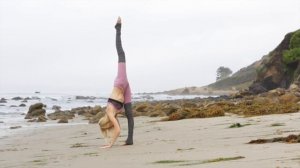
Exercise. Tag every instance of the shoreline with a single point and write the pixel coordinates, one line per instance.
(193, 141)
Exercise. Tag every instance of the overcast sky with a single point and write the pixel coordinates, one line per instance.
(68, 46)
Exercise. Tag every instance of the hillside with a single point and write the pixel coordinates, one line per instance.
(279, 68)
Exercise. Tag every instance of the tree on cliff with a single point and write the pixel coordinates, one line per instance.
(223, 72)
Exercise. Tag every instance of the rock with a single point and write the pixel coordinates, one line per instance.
(142, 107)
(294, 87)
(35, 110)
(15, 127)
(24, 101)
(17, 98)
(36, 106)
(41, 119)
(3, 100)
(1, 122)
(56, 108)
(27, 98)
(279, 68)
(261, 100)
(32, 120)
(277, 92)
(63, 120)
(96, 118)
(35, 98)
(13, 106)
(297, 94)
(288, 98)
(61, 114)
(22, 105)
(85, 97)
(87, 111)
(256, 88)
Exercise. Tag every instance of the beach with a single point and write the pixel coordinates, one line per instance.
(207, 142)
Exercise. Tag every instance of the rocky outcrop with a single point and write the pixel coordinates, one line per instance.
(281, 67)
(35, 111)
(87, 111)
(61, 114)
(96, 118)
(63, 120)
(275, 101)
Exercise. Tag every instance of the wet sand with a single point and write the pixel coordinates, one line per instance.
(207, 142)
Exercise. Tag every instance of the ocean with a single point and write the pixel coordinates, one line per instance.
(14, 108)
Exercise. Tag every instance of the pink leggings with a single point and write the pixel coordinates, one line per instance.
(121, 81)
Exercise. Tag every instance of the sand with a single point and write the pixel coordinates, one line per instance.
(194, 141)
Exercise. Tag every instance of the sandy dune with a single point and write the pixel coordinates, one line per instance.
(195, 142)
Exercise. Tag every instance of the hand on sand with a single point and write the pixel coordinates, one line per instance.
(106, 146)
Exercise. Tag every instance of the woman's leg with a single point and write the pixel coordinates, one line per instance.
(122, 81)
(129, 116)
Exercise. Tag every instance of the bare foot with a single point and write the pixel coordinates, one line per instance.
(119, 20)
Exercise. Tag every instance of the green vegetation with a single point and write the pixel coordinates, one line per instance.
(196, 162)
(223, 159)
(39, 162)
(223, 72)
(179, 149)
(78, 145)
(295, 40)
(91, 154)
(293, 54)
(242, 79)
(237, 125)
(277, 124)
(169, 161)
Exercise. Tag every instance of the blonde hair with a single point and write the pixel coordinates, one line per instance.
(107, 127)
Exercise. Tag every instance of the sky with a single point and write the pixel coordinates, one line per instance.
(67, 46)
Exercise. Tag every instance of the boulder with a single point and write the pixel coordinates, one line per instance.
(294, 87)
(56, 108)
(63, 120)
(32, 120)
(3, 100)
(61, 114)
(41, 119)
(87, 111)
(96, 118)
(277, 92)
(22, 105)
(17, 98)
(288, 98)
(15, 127)
(35, 111)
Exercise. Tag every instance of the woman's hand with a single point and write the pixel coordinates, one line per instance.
(106, 146)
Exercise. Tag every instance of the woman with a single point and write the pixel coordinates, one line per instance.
(119, 98)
